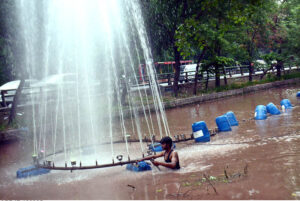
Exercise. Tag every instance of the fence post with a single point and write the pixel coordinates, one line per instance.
(3, 98)
(169, 79)
(241, 70)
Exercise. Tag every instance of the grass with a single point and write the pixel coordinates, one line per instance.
(14, 125)
(269, 79)
(238, 85)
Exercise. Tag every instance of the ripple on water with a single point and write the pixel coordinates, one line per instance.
(204, 151)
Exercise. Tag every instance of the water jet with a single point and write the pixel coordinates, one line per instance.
(85, 99)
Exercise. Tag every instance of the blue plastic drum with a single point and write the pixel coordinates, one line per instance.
(286, 104)
(272, 109)
(140, 167)
(260, 112)
(200, 132)
(298, 94)
(223, 123)
(156, 147)
(231, 118)
(31, 171)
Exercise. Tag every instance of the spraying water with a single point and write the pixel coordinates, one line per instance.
(86, 55)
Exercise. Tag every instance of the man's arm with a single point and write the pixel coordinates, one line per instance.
(171, 165)
(152, 157)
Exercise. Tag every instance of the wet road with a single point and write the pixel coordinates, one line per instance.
(260, 158)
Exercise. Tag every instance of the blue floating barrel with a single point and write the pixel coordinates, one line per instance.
(231, 118)
(272, 109)
(223, 123)
(260, 112)
(139, 167)
(156, 147)
(200, 132)
(286, 104)
(31, 171)
(298, 94)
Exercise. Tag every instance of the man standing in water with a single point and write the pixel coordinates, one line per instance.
(170, 156)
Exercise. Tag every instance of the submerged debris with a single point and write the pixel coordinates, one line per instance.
(212, 181)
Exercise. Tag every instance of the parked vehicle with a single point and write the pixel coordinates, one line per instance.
(181, 74)
(68, 85)
(188, 72)
(9, 90)
(260, 64)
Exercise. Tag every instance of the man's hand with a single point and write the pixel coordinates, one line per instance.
(156, 163)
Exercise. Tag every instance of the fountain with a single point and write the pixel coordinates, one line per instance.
(88, 107)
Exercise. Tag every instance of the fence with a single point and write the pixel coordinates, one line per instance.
(189, 76)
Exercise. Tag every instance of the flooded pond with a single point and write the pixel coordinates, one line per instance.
(256, 160)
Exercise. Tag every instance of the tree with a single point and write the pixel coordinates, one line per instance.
(7, 41)
(292, 21)
(283, 44)
(163, 18)
(213, 27)
(253, 33)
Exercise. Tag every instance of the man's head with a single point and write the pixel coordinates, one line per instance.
(166, 142)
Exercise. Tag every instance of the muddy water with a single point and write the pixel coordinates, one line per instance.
(261, 160)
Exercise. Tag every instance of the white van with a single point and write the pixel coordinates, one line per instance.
(189, 71)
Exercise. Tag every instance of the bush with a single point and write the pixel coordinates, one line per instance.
(270, 78)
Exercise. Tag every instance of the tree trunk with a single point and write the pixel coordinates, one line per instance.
(279, 66)
(265, 72)
(177, 70)
(196, 79)
(197, 70)
(217, 76)
(225, 78)
(15, 102)
(250, 67)
(207, 80)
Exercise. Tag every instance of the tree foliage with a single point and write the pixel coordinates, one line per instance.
(216, 33)
(7, 40)
(163, 18)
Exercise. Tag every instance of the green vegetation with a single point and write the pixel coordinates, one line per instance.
(269, 79)
(215, 33)
(219, 33)
(17, 123)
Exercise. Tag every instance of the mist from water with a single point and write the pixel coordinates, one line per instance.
(85, 55)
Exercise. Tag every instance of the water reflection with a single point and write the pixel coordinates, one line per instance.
(271, 147)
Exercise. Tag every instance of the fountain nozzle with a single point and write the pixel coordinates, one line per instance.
(35, 159)
(149, 152)
(119, 157)
(48, 163)
(182, 136)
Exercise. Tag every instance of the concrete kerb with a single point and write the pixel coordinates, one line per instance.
(219, 95)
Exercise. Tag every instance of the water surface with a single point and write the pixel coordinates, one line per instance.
(269, 148)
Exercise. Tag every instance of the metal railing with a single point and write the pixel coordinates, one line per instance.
(189, 76)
